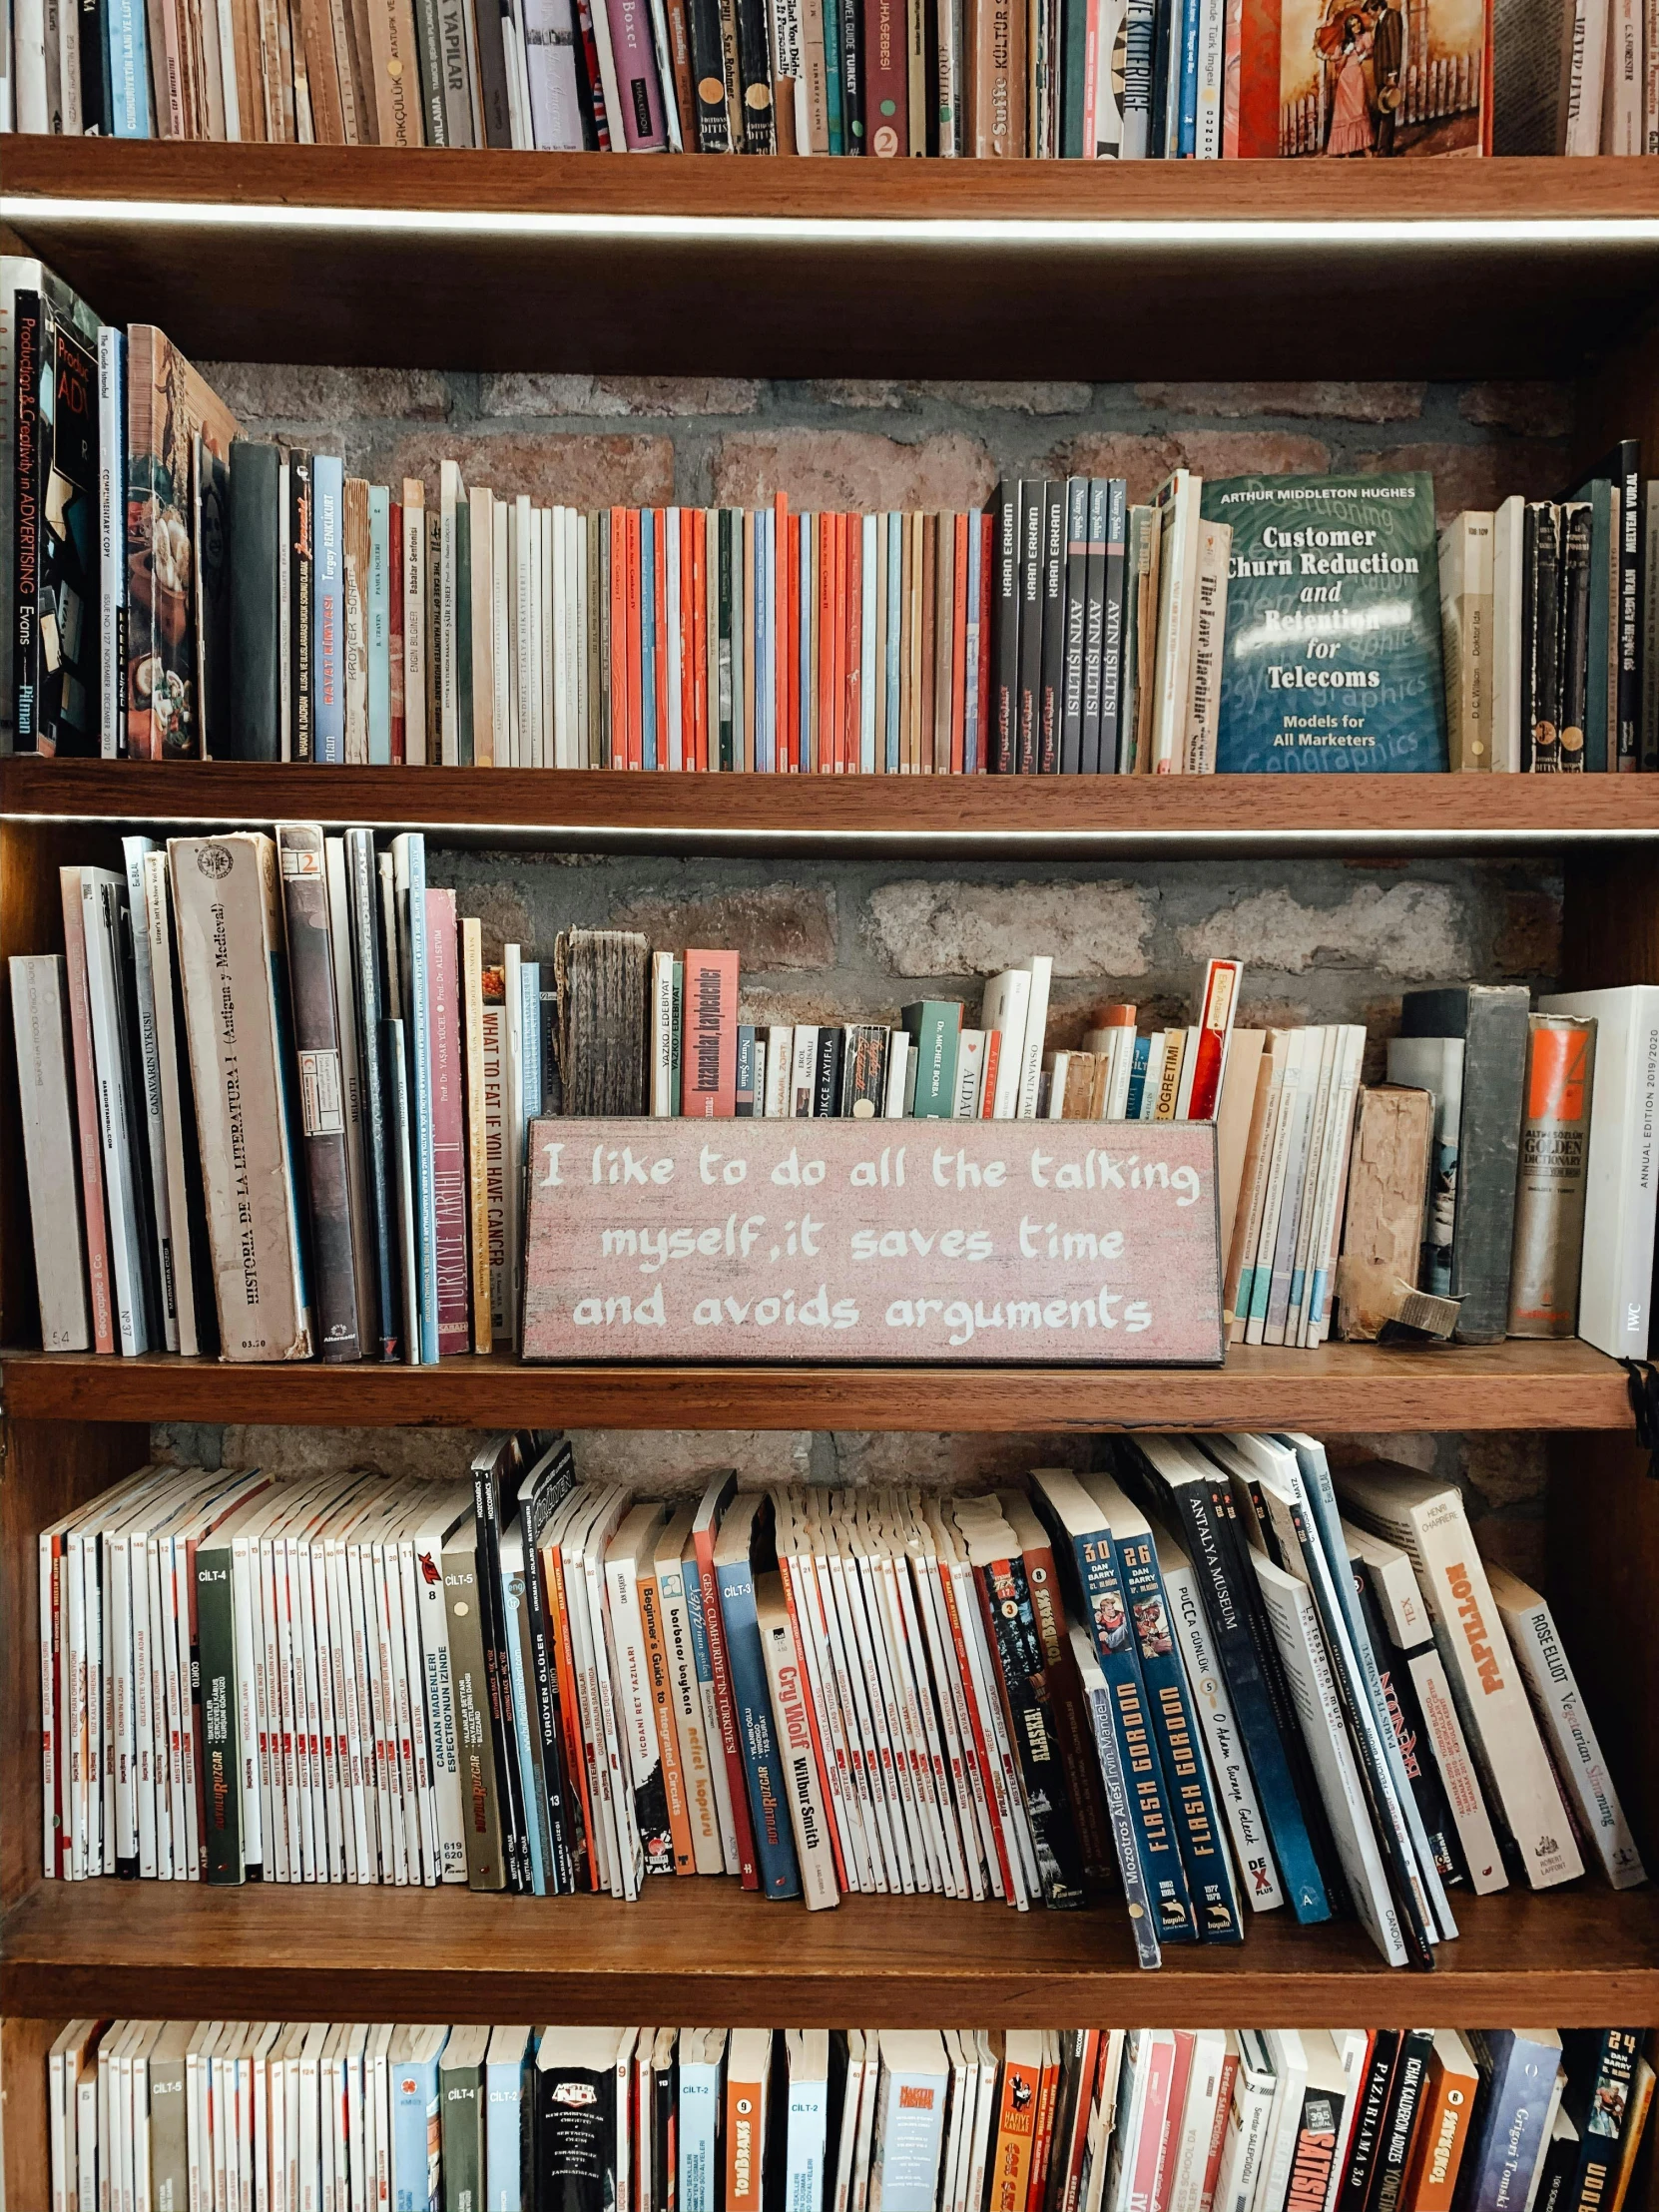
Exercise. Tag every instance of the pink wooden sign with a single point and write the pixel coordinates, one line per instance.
(1076, 1243)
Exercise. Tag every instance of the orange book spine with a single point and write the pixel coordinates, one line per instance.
(564, 1665)
(1439, 2139)
(1016, 2124)
(1044, 2141)
(743, 2145)
(619, 637)
(958, 646)
(668, 1738)
(659, 535)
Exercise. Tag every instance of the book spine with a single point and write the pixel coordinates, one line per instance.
(1005, 1607)
(221, 1750)
(39, 1019)
(714, 1637)
(301, 607)
(367, 961)
(321, 1087)
(780, 1873)
(1551, 1179)
(448, 1126)
(86, 1108)
(255, 550)
(329, 615)
(411, 895)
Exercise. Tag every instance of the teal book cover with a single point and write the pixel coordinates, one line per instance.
(1332, 653)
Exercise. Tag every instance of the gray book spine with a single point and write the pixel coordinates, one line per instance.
(256, 551)
(1493, 1022)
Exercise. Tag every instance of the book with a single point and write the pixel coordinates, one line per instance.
(1550, 1183)
(1374, 699)
(40, 1029)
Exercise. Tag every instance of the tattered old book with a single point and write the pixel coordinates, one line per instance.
(1332, 655)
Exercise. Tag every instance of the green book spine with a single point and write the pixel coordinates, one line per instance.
(933, 1026)
(463, 633)
(463, 2162)
(216, 1632)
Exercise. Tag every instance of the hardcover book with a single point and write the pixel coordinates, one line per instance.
(1333, 645)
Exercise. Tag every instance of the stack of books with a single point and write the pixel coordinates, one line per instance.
(1219, 1679)
(760, 2119)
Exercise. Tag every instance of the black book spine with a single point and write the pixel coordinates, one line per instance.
(1573, 648)
(1404, 2101)
(1005, 1602)
(1365, 2143)
(1072, 681)
(515, 1843)
(1113, 670)
(575, 2139)
(1031, 500)
(429, 59)
(119, 917)
(1094, 629)
(1004, 731)
(1051, 681)
(855, 138)
(827, 1090)
(256, 601)
(97, 93)
(665, 2100)
(1165, 42)
(26, 526)
(363, 883)
(708, 58)
(1627, 481)
(303, 744)
(321, 1087)
(760, 128)
(1600, 2063)
(1410, 1733)
(564, 1810)
(1540, 750)
(494, 29)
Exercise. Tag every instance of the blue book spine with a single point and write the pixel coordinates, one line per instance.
(529, 986)
(1175, 1732)
(379, 625)
(1155, 1838)
(1188, 143)
(648, 638)
(767, 1802)
(535, 1793)
(1142, 1920)
(832, 74)
(504, 2136)
(895, 595)
(1508, 2147)
(127, 61)
(1137, 1080)
(328, 608)
(415, 2182)
(1263, 1746)
(420, 1058)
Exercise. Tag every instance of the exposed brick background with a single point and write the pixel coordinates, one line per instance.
(1322, 940)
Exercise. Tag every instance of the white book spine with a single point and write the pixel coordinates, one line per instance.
(1007, 998)
(40, 1025)
(101, 922)
(779, 1061)
(1617, 1276)
(809, 1814)
(661, 1035)
(1569, 1734)
(1040, 968)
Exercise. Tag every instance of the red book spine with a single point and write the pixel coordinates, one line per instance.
(394, 626)
(855, 639)
(731, 1750)
(1258, 46)
(687, 638)
(450, 1157)
(987, 552)
(708, 1053)
(1215, 1027)
(780, 635)
(958, 643)
(85, 1111)
(822, 1758)
(619, 637)
(700, 631)
(632, 669)
(792, 616)
(659, 533)
(1182, 2068)
(987, 1079)
(886, 87)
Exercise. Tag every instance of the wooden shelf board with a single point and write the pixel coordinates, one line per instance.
(906, 268)
(1360, 1386)
(706, 1951)
(949, 814)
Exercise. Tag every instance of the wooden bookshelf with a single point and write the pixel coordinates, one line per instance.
(685, 267)
(1364, 1386)
(804, 268)
(943, 814)
(701, 1950)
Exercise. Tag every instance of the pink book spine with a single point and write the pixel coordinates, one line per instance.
(638, 89)
(449, 1192)
(86, 1113)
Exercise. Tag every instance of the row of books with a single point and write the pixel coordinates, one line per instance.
(757, 2119)
(256, 602)
(1550, 624)
(1498, 1183)
(1095, 79)
(1192, 1680)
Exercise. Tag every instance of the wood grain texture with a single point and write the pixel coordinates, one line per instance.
(25, 2146)
(703, 1950)
(572, 807)
(895, 302)
(1366, 1387)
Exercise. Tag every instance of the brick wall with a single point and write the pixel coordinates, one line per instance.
(1323, 940)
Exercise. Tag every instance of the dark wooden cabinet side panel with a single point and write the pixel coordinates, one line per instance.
(30, 921)
(25, 2173)
(1611, 930)
(47, 1469)
(1603, 1570)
